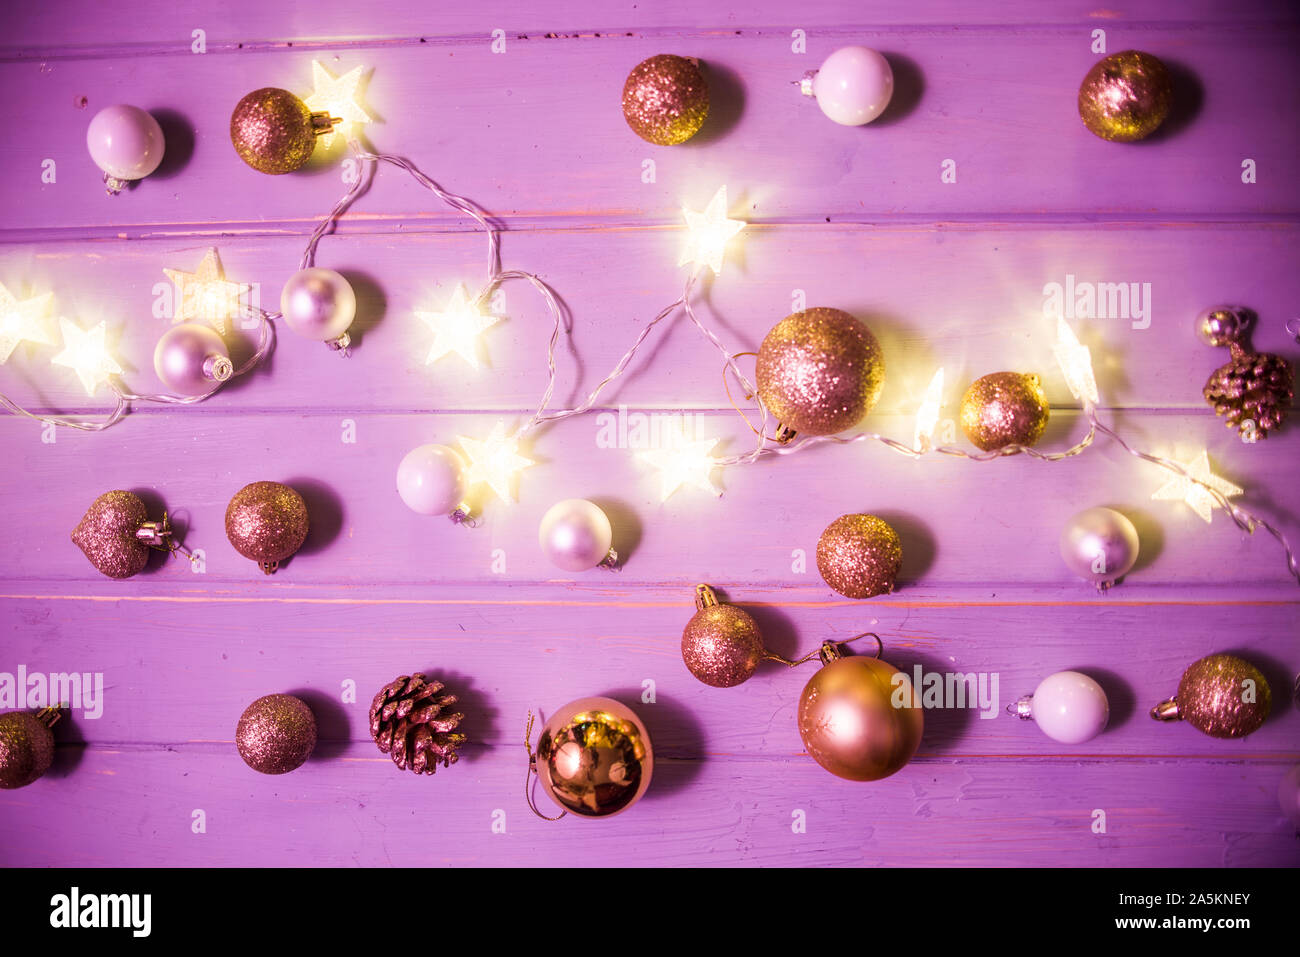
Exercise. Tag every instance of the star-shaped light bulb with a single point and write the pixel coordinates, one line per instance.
(23, 320)
(85, 353)
(683, 461)
(205, 295)
(708, 233)
(494, 461)
(1181, 488)
(457, 328)
(337, 96)
(1075, 360)
(927, 416)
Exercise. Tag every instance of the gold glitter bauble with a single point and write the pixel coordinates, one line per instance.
(722, 645)
(26, 747)
(594, 757)
(1221, 695)
(665, 99)
(849, 721)
(267, 522)
(273, 131)
(107, 534)
(1125, 96)
(820, 371)
(859, 556)
(276, 734)
(1004, 408)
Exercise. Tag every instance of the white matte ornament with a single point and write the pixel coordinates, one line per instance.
(576, 535)
(1099, 545)
(319, 304)
(430, 480)
(1068, 706)
(853, 85)
(125, 142)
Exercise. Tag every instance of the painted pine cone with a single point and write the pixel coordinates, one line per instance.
(1252, 391)
(407, 722)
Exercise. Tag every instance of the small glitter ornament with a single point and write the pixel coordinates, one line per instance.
(276, 734)
(408, 724)
(859, 556)
(819, 372)
(274, 132)
(1125, 96)
(116, 534)
(594, 758)
(267, 522)
(721, 644)
(1004, 408)
(26, 746)
(665, 99)
(1222, 695)
(860, 718)
(1253, 390)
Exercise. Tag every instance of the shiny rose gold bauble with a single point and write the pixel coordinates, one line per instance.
(859, 717)
(594, 757)
(665, 99)
(276, 734)
(267, 522)
(1222, 695)
(859, 556)
(721, 644)
(819, 371)
(26, 746)
(116, 534)
(1004, 408)
(1125, 96)
(274, 132)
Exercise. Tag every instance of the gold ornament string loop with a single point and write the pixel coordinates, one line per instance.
(726, 384)
(819, 653)
(532, 769)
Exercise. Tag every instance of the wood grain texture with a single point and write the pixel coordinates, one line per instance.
(946, 275)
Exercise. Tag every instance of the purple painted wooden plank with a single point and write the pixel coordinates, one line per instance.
(961, 522)
(517, 119)
(971, 300)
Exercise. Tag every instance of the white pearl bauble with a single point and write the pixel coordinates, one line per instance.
(125, 142)
(1099, 545)
(1070, 707)
(576, 535)
(430, 480)
(318, 304)
(853, 86)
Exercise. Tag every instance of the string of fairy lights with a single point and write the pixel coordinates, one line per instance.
(207, 303)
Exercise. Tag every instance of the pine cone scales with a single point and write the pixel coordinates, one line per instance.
(1254, 387)
(407, 722)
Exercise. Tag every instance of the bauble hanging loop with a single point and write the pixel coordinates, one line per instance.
(1099, 545)
(116, 534)
(274, 132)
(1253, 390)
(1220, 695)
(1067, 706)
(125, 142)
(594, 758)
(853, 86)
(26, 746)
(267, 522)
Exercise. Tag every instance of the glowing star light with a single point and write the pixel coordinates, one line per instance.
(706, 241)
(23, 321)
(205, 295)
(1181, 488)
(336, 96)
(457, 328)
(494, 461)
(927, 416)
(1075, 361)
(85, 354)
(683, 462)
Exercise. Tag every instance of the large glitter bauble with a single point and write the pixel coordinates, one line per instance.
(1004, 408)
(820, 371)
(594, 757)
(1099, 545)
(274, 132)
(276, 734)
(859, 717)
(859, 556)
(721, 644)
(267, 522)
(108, 534)
(1221, 695)
(666, 99)
(26, 746)
(1125, 96)
(1253, 390)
